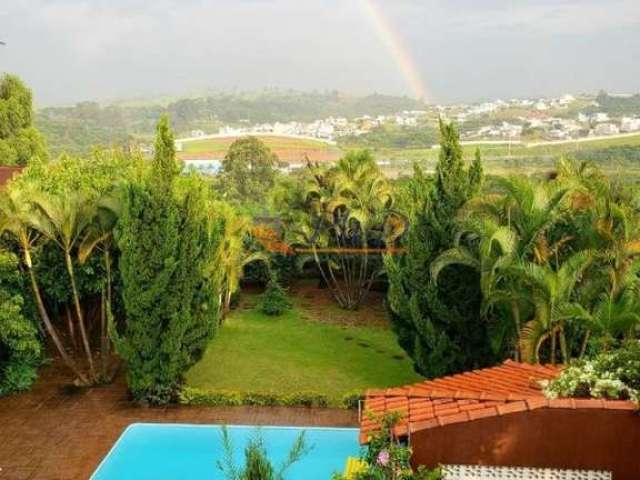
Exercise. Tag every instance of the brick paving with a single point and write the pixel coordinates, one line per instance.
(57, 433)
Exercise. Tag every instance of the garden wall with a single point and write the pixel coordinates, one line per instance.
(554, 438)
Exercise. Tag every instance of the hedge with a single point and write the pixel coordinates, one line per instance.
(198, 396)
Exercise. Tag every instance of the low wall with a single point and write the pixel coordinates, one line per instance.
(552, 438)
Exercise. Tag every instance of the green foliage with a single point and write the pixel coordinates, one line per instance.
(614, 155)
(170, 303)
(387, 458)
(391, 136)
(344, 217)
(352, 399)
(611, 375)
(20, 348)
(20, 143)
(257, 465)
(78, 128)
(219, 398)
(556, 260)
(275, 300)
(616, 105)
(248, 170)
(438, 324)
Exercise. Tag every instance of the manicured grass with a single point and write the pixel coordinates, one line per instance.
(257, 353)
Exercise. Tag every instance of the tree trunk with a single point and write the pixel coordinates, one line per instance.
(49, 326)
(83, 331)
(585, 343)
(515, 311)
(563, 345)
(105, 345)
(71, 328)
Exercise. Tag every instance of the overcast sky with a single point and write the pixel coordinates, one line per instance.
(71, 50)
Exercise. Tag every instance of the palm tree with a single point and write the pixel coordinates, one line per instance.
(99, 236)
(63, 219)
(492, 250)
(552, 294)
(232, 255)
(344, 214)
(613, 317)
(17, 218)
(500, 230)
(528, 207)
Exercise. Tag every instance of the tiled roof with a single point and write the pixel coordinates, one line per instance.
(507, 388)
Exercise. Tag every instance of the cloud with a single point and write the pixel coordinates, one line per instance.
(97, 49)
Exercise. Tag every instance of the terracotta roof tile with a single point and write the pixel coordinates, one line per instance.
(508, 388)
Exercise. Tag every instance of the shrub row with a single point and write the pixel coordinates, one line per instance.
(197, 396)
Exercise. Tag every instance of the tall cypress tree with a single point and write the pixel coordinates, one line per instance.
(161, 239)
(439, 325)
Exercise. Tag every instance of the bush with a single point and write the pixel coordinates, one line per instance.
(387, 458)
(611, 375)
(275, 300)
(352, 400)
(20, 349)
(257, 465)
(220, 398)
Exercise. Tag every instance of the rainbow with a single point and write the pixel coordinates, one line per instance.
(397, 49)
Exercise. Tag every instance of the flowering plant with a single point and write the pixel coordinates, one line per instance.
(612, 375)
(386, 457)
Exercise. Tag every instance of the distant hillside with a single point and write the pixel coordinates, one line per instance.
(76, 129)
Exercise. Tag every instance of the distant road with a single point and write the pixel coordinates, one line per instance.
(256, 134)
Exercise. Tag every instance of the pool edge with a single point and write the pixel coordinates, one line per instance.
(202, 425)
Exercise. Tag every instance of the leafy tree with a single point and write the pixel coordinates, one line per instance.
(16, 219)
(248, 170)
(438, 324)
(63, 220)
(552, 293)
(20, 142)
(20, 349)
(232, 254)
(169, 302)
(344, 217)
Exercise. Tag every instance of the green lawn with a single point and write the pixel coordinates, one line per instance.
(260, 354)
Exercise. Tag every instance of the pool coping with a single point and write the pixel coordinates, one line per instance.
(204, 425)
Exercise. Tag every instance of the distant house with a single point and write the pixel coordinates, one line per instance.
(500, 417)
(628, 124)
(600, 117)
(7, 173)
(206, 166)
(606, 129)
(541, 105)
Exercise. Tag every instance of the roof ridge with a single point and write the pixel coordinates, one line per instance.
(499, 390)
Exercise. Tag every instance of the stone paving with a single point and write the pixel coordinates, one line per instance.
(55, 432)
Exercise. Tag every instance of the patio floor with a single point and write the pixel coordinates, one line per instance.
(57, 433)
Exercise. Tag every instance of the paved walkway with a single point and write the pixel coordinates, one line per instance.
(58, 433)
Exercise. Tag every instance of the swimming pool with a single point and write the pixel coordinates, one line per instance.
(185, 452)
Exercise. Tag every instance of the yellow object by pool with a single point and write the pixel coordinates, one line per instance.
(354, 466)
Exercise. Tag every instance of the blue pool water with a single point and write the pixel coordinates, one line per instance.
(190, 452)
